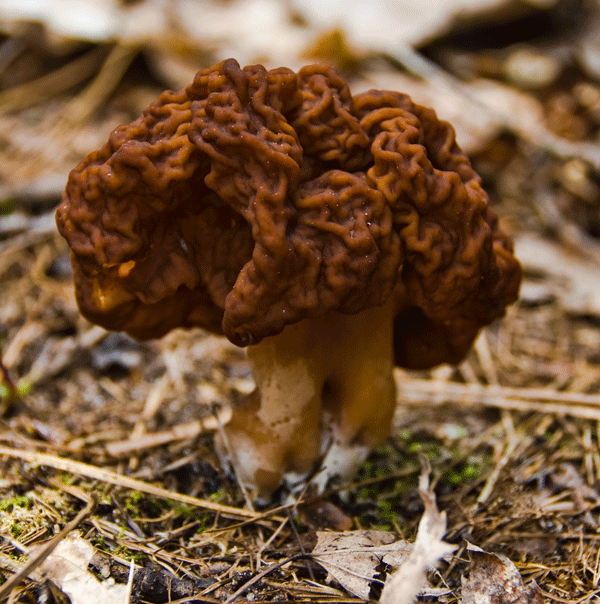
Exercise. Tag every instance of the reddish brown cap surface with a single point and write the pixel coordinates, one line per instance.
(253, 199)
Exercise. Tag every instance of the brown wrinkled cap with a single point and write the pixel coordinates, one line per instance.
(253, 199)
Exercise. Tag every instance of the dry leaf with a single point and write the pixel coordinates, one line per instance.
(494, 579)
(356, 559)
(574, 281)
(408, 581)
(352, 558)
(67, 567)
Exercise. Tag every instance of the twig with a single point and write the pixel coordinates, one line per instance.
(83, 469)
(47, 549)
(586, 406)
(261, 575)
(105, 81)
(131, 523)
(297, 536)
(185, 431)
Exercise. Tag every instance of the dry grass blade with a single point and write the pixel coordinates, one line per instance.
(46, 550)
(180, 432)
(83, 469)
(130, 580)
(53, 84)
(105, 81)
(585, 406)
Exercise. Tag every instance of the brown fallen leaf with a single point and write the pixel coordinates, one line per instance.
(359, 560)
(352, 558)
(494, 579)
(325, 515)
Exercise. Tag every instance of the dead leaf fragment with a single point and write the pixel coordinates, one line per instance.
(409, 580)
(67, 568)
(494, 579)
(353, 557)
(358, 559)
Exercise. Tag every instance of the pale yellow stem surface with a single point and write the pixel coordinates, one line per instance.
(325, 394)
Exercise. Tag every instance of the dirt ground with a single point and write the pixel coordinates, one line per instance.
(97, 419)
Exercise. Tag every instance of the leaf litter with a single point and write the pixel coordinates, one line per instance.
(511, 433)
(494, 578)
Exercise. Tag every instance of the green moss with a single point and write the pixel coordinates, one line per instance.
(125, 553)
(405, 434)
(388, 513)
(382, 527)
(23, 387)
(132, 503)
(9, 394)
(7, 206)
(217, 495)
(98, 541)
(469, 471)
(183, 511)
(432, 451)
(20, 501)
(203, 525)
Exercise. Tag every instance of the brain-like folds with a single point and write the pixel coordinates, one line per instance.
(253, 199)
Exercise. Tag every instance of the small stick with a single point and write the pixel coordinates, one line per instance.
(127, 597)
(261, 575)
(120, 480)
(411, 391)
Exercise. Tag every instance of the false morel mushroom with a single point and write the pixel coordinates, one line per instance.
(333, 235)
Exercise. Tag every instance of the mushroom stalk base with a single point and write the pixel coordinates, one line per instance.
(325, 397)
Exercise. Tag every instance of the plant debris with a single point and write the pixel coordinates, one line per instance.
(493, 578)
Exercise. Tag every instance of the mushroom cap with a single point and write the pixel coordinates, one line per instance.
(253, 199)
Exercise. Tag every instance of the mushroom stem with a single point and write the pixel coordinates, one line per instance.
(325, 391)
